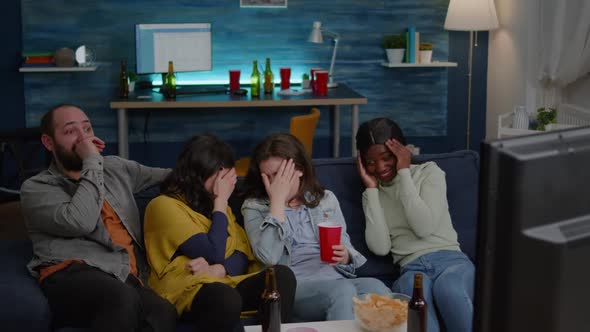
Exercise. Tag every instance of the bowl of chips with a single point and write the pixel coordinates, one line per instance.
(382, 313)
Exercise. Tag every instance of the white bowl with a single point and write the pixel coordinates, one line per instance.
(382, 315)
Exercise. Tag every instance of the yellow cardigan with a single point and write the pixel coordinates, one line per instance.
(169, 222)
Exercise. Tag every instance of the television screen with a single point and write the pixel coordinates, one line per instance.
(188, 45)
(533, 251)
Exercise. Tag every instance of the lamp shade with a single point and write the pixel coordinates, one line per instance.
(471, 15)
(316, 33)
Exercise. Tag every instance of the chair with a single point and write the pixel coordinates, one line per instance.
(302, 127)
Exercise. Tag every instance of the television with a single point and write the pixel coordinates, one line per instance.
(188, 45)
(533, 254)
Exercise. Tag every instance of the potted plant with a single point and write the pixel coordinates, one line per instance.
(132, 79)
(395, 46)
(545, 116)
(305, 81)
(426, 52)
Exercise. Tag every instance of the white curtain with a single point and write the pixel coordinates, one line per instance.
(564, 46)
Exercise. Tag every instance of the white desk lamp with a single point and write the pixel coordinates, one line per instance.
(316, 37)
(471, 15)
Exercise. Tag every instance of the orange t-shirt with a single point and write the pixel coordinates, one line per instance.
(119, 235)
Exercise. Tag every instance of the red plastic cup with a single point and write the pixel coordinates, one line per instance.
(321, 82)
(312, 78)
(329, 236)
(285, 78)
(234, 80)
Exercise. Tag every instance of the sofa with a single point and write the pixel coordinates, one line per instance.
(23, 306)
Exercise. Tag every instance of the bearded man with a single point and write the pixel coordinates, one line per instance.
(82, 218)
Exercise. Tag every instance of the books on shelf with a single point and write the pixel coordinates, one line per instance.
(37, 58)
(412, 54)
(37, 65)
(411, 45)
(416, 47)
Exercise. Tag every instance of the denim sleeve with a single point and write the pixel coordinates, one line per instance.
(267, 235)
(356, 258)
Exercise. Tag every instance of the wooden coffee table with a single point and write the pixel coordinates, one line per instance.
(327, 326)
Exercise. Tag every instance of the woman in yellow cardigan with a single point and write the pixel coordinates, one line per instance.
(200, 257)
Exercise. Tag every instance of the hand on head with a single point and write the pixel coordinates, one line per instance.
(284, 184)
(225, 183)
(368, 180)
(402, 153)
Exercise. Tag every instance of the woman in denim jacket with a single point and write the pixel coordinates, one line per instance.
(283, 207)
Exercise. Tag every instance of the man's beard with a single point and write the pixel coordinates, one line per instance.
(69, 160)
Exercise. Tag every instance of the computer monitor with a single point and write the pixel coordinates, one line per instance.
(188, 45)
(533, 269)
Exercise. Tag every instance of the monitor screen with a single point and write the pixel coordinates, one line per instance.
(187, 45)
(534, 234)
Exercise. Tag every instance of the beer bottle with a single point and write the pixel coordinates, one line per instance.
(170, 82)
(270, 310)
(268, 78)
(123, 81)
(417, 312)
(255, 80)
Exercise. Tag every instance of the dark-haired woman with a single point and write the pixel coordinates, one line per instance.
(200, 257)
(408, 215)
(283, 207)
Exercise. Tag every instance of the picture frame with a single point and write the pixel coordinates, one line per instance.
(263, 3)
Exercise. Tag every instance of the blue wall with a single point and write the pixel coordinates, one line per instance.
(11, 84)
(428, 103)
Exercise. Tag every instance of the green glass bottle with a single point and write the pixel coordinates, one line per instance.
(170, 82)
(123, 81)
(255, 80)
(269, 82)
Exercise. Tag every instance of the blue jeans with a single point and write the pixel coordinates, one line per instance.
(319, 300)
(448, 280)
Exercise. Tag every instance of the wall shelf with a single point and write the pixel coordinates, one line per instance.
(431, 64)
(54, 69)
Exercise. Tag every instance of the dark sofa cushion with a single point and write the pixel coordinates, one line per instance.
(23, 305)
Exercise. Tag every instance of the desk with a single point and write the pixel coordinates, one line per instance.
(342, 95)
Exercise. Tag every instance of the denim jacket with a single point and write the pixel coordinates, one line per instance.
(267, 234)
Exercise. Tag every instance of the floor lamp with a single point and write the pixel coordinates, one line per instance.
(472, 16)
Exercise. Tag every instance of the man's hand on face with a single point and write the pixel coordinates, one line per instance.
(89, 146)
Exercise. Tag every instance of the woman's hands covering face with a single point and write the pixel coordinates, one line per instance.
(225, 183)
(284, 184)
